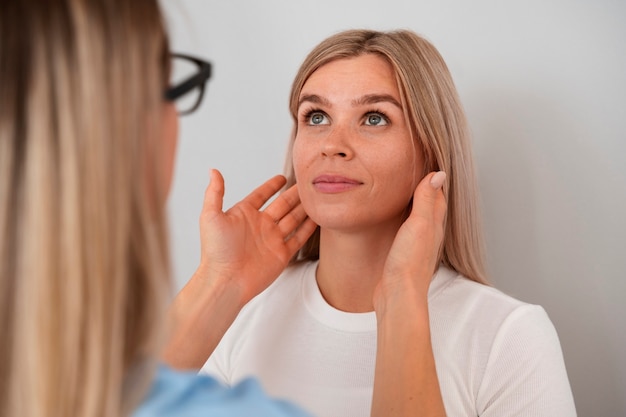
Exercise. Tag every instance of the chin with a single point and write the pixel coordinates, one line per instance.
(329, 215)
(340, 223)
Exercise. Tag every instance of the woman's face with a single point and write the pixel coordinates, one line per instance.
(353, 157)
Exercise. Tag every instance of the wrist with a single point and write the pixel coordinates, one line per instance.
(400, 300)
(208, 285)
(400, 286)
(199, 316)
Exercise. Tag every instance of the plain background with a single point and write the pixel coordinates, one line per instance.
(544, 86)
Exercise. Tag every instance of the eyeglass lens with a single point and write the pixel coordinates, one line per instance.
(182, 69)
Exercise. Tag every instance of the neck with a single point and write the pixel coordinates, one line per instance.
(351, 265)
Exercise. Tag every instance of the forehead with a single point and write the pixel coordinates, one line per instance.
(364, 74)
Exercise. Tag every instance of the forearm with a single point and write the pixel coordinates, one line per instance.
(406, 382)
(198, 318)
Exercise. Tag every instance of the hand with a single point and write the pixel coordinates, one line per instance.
(248, 246)
(414, 254)
(406, 382)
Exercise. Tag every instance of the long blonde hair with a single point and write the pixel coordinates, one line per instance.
(83, 245)
(438, 126)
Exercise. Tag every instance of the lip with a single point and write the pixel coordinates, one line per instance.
(334, 183)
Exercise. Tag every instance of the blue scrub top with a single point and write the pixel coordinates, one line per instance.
(187, 394)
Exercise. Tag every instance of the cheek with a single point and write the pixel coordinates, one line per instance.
(301, 161)
(411, 167)
(169, 143)
(398, 176)
(298, 158)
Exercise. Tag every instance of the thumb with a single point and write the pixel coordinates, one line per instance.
(214, 194)
(428, 199)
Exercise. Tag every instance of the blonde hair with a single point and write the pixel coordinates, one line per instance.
(438, 125)
(83, 245)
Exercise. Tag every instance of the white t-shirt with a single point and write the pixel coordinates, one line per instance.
(495, 356)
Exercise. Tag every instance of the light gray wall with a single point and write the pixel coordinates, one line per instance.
(544, 85)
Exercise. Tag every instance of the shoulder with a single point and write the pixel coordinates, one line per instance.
(508, 350)
(296, 273)
(258, 323)
(187, 394)
(288, 286)
(277, 302)
(455, 295)
(486, 317)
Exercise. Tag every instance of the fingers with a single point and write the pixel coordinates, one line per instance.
(290, 221)
(283, 204)
(214, 194)
(429, 209)
(441, 206)
(265, 191)
(428, 199)
(300, 236)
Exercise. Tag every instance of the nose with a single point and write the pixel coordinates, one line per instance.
(337, 144)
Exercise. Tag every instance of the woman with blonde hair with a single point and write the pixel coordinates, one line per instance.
(88, 130)
(374, 113)
(87, 139)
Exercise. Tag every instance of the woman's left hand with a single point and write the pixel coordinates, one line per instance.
(414, 255)
(406, 381)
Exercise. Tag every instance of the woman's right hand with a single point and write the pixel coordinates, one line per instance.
(248, 246)
(243, 251)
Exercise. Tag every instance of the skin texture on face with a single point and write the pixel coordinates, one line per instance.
(170, 140)
(159, 173)
(353, 156)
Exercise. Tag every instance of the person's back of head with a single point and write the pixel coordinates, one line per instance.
(83, 257)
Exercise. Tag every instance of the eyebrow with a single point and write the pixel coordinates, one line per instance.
(376, 98)
(315, 99)
(364, 100)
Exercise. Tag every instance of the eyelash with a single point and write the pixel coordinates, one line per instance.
(306, 116)
(381, 113)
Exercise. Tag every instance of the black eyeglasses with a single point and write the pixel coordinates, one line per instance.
(189, 77)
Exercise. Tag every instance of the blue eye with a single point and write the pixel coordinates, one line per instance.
(375, 119)
(317, 118)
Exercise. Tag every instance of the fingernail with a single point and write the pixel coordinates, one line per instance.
(437, 180)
